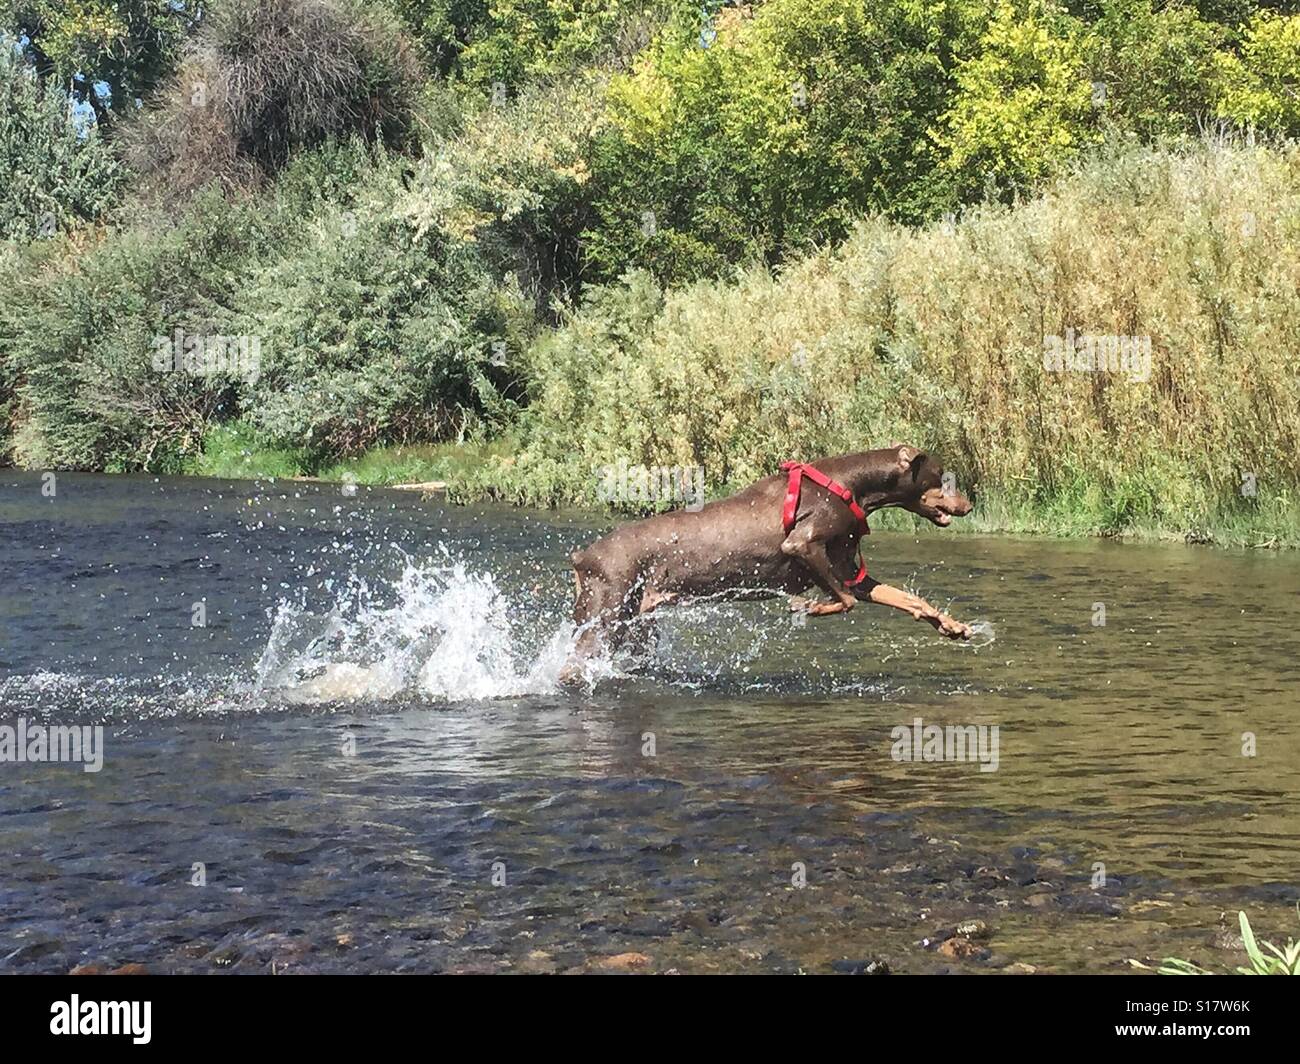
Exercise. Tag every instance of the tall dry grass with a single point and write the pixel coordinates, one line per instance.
(936, 336)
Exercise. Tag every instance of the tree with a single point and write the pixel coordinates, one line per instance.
(770, 130)
(56, 173)
(1024, 105)
(1157, 69)
(1261, 86)
(263, 79)
(104, 52)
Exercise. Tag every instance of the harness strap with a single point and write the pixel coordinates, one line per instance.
(794, 487)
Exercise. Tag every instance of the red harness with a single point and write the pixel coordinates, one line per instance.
(797, 471)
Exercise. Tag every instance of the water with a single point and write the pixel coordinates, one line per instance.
(363, 757)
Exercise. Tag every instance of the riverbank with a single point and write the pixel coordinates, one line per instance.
(1012, 342)
(464, 473)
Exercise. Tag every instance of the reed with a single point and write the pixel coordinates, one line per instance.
(939, 336)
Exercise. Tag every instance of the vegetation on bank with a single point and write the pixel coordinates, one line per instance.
(936, 336)
(1278, 960)
(508, 242)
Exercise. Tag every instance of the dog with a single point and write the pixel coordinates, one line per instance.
(783, 534)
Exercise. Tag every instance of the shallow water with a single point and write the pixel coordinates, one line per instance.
(362, 753)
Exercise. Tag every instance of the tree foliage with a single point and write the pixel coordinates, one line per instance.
(510, 41)
(766, 131)
(1261, 85)
(57, 174)
(1023, 103)
(105, 52)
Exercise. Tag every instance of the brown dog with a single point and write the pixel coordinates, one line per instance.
(782, 534)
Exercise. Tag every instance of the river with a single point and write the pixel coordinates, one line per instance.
(333, 741)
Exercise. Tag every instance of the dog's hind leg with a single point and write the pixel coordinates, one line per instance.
(602, 609)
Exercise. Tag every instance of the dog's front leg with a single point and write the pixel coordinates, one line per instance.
(918, 608)
(812, 554)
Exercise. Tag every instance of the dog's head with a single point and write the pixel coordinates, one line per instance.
(926, 489)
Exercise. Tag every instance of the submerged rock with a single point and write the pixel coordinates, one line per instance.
(625, 962)
(962, 949)
(863, 967)
(538, 962)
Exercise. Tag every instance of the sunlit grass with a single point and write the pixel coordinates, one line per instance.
(232, 451)
(935, 336)
(1264, 958)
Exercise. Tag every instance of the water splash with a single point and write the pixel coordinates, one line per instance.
(982, 634)
(390, 631)
(440, 632)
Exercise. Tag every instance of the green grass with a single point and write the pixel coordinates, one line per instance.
(414, 463)
(469, 469)
(233, 452)
(1269, 524)
(1278, 960)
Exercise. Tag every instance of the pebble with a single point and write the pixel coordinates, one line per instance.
(862, 967)
(962, 949)
(625, 962)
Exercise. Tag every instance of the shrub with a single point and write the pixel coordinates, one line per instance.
(516, 182)
(84, 324)
(9, 277)
(57, 174)
(264, 79)
(377, 325)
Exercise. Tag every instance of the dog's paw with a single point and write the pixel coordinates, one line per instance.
(954, 629)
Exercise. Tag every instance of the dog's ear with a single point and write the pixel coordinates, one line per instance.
(910, 460)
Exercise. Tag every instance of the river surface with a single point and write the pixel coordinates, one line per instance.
(333, 741)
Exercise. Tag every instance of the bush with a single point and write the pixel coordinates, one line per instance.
(377, 325)
(103, 53)
(363, 320)
(9, 277)
(515, 181)
(57, 175)
(84, 318)
(265, 79)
